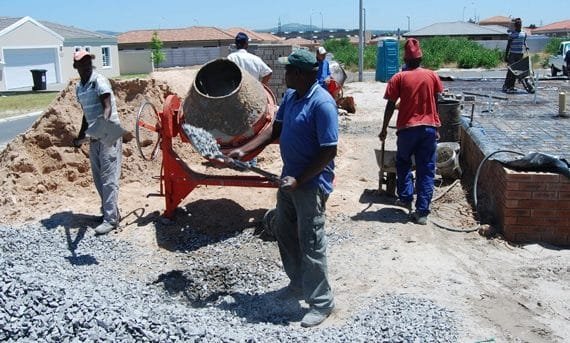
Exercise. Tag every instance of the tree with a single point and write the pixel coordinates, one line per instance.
(158, 55)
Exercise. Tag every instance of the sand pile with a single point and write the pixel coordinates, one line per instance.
(42, 173)
(42, 165)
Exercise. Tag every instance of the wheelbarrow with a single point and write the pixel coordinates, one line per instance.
(523, 72)
(386, 160)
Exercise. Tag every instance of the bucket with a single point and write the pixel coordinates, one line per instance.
(447, 159)
(450, 116)
(228, 102)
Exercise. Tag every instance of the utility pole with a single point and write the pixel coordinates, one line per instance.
(408, 22)
(360, 40)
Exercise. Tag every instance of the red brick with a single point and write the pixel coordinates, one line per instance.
(561, 187)
(564, 195)
(545, 195)
(545, 213)
(563, 213)
(532, 186)
(527, 237)
(511, 203)
(553, 238)
(530, 221)
(514, 195)
(509, 220)
(532, 204)
(521, 177)
(563, 204)
(517, 212)
(545, 177)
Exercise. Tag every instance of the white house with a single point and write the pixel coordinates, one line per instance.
(27, 44)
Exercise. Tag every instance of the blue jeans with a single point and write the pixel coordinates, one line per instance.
(300, 233)
(420, 142)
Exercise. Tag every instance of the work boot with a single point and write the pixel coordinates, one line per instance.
(419, 218)
(406, 205)
(315, 316)
(104, 228)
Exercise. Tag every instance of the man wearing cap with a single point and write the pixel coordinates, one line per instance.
(306, 125)
(416, 129)
(251, 63)
(324, 73)
(97, 100)
(514, 52)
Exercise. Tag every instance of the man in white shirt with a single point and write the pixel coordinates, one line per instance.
(249, 62)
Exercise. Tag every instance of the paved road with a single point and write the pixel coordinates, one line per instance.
(11, 127)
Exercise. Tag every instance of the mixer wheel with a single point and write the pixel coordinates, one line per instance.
(147, 127)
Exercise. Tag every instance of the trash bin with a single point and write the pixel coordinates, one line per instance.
(387, 59)
(40, 82)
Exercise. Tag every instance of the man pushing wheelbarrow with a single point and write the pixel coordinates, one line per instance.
(518, 68)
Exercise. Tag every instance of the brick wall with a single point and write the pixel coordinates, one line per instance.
(526, 206)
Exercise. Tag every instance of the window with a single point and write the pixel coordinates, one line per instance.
(86, 48)
(106, 53)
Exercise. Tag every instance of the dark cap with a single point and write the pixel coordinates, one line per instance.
(301, 59)
(241, 38)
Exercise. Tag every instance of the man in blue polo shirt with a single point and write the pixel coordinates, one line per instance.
(307, 127)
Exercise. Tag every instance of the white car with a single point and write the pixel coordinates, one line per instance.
(556, 62)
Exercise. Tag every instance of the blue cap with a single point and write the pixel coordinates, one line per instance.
(241, 38)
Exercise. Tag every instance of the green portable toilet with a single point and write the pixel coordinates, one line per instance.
(387, 59)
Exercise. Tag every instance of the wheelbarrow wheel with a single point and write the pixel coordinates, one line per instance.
(147, 127)
(528, 84)
(391, 184)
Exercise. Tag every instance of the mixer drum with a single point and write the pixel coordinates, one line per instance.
(228, 102)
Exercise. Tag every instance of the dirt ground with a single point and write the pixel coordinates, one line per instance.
(498, 291)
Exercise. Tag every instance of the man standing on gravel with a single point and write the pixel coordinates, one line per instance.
(307, 127)
(418, 120)
(251, 63)
(97, 100)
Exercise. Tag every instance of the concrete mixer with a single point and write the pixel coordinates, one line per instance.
(227, 102)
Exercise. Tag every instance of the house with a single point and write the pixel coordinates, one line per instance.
(255, 37)
(497, 21)
(182, 47)
(460, 29)
(26, 44)
(557, 29)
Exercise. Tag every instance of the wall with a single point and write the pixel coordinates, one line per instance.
(135, 62)
(525, 206)
(269, 53)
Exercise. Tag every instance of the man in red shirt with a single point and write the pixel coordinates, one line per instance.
(416, 128)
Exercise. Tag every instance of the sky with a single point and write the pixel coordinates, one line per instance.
(126, 15)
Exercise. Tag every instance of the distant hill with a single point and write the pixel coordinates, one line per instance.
(295, 27)
(109, 33)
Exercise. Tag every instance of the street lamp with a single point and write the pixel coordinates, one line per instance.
(408, 22)
(311, 20)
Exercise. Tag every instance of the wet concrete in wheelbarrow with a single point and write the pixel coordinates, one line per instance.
(521, 121)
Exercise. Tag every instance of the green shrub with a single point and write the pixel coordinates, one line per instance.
(437, 52)
(551, 47)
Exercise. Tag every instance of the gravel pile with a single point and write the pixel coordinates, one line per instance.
(67, 285)
(203, 141)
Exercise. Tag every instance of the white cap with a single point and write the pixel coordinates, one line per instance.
(321, 50)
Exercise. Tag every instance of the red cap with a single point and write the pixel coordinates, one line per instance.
(412, 49)
(78, 55)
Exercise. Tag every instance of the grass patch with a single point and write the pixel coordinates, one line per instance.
(13, 104)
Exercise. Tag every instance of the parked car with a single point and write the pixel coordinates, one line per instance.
(556, 62)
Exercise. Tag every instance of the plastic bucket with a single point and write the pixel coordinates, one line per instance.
(450, 116)
(447, 159)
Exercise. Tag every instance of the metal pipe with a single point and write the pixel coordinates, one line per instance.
(360, 40)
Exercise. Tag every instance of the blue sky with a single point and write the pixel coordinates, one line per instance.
(125, 15)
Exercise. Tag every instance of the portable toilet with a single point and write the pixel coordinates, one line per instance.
(387, 58)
